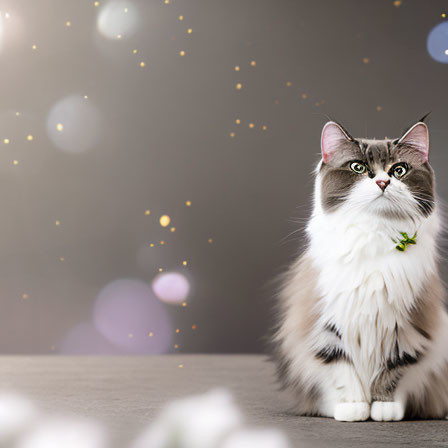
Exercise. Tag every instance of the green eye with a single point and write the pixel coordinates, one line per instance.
(399, 171)
(358, 167)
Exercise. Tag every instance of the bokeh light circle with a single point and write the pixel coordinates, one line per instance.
(127, 314)
(117, 19)
(171, 287)
(73, 124)
(85, 339)
(437, 42)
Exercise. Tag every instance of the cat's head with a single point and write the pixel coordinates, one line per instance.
(391, 178)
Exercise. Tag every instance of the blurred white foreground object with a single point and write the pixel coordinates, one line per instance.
(64, 433)
(200, 421)
(16, 414)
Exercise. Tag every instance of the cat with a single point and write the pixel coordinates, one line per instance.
(363, 330)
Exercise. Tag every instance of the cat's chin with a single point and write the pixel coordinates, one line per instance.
(385, 207)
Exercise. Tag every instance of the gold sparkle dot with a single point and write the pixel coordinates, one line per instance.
(176, 346)
(17, 114)
(173, 229)
(193, 327)
(6, 141)
(210, 240)
(177, 331)
(188, 203)
(68, 23)
(237, 121)
(151, 334)
(379, 108)
(365, 60)
(184, 304)
(160, 270)
(15, 162)
(61, 259)
(237, 68)
(96, 4)
(182, 52)
(232, 134)
(397, 3)
(142, 64)
(126, 9)
(25, 296)
(239, 86)
(119, 36)
(264, 127)
(443, 15)
(30, 138)
(185, 262)
(181, 366)
(162, 243)
(60, 127)
(167, 2)
(86, 97)
(58, 223)
(189, 31)
(165, 220)
(288, 84)
(304, 96)
(251, 125)
(253, 63)
(181, 18)
(130, 335)
(151, 245)
(147, 212)
(34, 47)
(135, 51)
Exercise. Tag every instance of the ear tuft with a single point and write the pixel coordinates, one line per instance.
(333, 135)
(417, 137)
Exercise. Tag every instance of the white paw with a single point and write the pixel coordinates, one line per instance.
(386, 411)
(352, 412)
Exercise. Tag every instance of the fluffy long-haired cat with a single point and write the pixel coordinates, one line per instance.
(363, 329)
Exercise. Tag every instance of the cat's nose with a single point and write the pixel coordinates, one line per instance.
(383, 184)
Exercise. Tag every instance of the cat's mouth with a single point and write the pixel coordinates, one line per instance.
(382, 195)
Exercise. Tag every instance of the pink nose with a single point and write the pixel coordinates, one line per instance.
(383, 184)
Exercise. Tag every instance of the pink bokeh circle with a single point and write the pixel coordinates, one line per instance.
(171, 287)
(128, 315)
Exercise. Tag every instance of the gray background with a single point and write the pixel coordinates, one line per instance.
(164, 138)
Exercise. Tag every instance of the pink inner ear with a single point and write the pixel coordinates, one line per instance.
(332, 136)
(418, 138)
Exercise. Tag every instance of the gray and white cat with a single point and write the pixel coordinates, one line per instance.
(363, 330)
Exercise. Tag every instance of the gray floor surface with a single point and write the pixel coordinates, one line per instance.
(127, 392)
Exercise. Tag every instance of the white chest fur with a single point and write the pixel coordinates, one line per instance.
(367, 286)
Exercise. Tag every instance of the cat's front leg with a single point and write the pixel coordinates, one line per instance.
(386, 406)
(345, 398)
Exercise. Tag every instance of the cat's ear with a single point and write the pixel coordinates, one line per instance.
(417, 138)
(333, 134)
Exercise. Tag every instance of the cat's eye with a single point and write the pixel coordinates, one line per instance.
(399, 171)
(358, 167)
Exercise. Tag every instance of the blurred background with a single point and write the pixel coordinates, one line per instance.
(156, 156)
